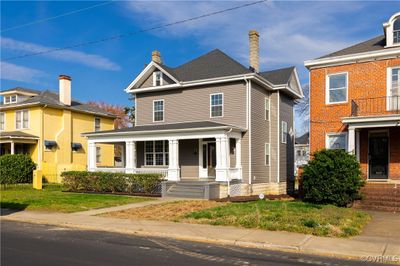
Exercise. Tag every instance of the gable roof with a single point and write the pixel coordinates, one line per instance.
(21, 89)
(304, 139)
(278, 76)
(371, 45)
(52, 99)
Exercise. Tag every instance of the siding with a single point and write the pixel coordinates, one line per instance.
(193, 104)
(274, 137)
(286, 153)
(259, 134)
(149, 81)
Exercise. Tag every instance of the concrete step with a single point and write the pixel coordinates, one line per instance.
(381, 203)
(377, 208)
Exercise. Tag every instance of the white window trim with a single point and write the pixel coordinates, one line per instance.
(327, 78)
(4, 121)
(284, 134)
(389, 85)
(269, 154)
(10, 96)
(22, 119)
(267, 99)
(165, 162)
(163, 110)
(155, 78)
(222, 104)
(336, 134)
(95, 124)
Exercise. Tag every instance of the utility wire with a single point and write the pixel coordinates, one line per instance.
(119, 36)
(54, 17)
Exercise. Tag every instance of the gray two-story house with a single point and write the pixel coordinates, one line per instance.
(211, 126)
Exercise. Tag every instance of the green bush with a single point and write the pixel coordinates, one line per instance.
(16, 168)
(332, 177)
(112, 182)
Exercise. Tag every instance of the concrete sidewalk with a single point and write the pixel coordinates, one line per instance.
(360, 248)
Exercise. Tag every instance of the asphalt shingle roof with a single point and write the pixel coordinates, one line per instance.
(17, 134)
(371, 45)
(304, 139)
(278, 76)
(52, 99)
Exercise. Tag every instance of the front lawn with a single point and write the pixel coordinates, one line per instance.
(292, 216)
(51, 198)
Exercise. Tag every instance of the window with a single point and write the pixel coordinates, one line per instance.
(158, 111)
(284, 131)
(97, 122)
(157, 78)
(216, 105)
(266, 108)
(298, 152)
(21, 119)
(396, 31)
(267, 153)
(98, 154)
(10, 99)
(2, 121)
(304, 153)
(394, 89)
(336, 88)
(156, 152)
(336, 141)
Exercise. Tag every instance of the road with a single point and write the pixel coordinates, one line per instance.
(30, 244)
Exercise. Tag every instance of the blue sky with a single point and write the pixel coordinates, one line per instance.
(291, 32)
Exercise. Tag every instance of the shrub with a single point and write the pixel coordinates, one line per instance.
(16, 168)
(112, 182)
(332, 177)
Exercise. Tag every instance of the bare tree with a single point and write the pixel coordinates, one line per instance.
(302, 110)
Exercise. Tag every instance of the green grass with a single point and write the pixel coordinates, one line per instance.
(51, 198)
(292, 216)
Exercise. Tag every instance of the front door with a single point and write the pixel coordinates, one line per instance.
(211, 160)
(378, 157)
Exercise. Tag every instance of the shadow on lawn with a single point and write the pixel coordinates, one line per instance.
(8, 208)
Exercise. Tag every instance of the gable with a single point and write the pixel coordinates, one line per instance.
(148, 82)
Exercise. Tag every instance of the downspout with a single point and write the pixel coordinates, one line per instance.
(40, 142)
(249, 128)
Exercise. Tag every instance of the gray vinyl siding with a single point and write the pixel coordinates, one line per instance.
(188, 160)
(149, 81)
(245, 157)
(287, 150)
(259, 134)
(193, 104)
(275, 140)
(293, 84)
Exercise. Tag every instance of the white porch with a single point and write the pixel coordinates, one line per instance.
(188, 154)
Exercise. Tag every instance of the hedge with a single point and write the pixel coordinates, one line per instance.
(332, 177)
(16, 168)
(112, 182)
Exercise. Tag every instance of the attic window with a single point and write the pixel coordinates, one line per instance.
(10, 99)
(157, 78)
(396, 31)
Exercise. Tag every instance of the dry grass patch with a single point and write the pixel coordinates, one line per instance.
(170, 211)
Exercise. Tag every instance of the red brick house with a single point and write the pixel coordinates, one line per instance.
(355, 103)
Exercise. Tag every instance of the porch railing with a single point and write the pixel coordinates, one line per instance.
(375, 106)
(234, 173)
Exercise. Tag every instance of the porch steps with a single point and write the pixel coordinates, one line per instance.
(381, 197)
(191, 189)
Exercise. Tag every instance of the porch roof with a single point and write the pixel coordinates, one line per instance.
(162, 128)
(372, 121)
(17, 136)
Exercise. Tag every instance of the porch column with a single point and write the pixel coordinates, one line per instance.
(92, 156)
(130, 156)
(222, 152)
(351, 141)
(238, 150)
(12, 147)
(173, 164)
(358, 144)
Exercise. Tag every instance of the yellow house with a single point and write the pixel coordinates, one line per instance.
(48, 127)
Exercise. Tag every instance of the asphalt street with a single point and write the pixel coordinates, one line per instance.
(31, 244)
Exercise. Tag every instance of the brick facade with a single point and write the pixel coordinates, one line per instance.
(365, 80)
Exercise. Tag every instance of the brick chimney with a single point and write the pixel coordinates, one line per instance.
(254, 50)
(156, 57)
(65, 89)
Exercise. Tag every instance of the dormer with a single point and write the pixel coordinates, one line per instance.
(16, 95)
(392, 30)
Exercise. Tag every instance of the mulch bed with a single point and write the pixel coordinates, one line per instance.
(115, 193)
(254, 198)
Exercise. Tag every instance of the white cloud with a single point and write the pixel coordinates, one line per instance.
(67, 55)
(20, 73)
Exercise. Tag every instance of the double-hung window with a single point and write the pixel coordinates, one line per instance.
(336, 141)
(158, 111)
(284, 130)
(157, 78)
(2, 121)
(267, 108)
(393, 102)
(10, 99)
(396, 31)
(267, 153)
(336, 88)
(97, 122)
(156, 153)
(217, 105)
(22, 119)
